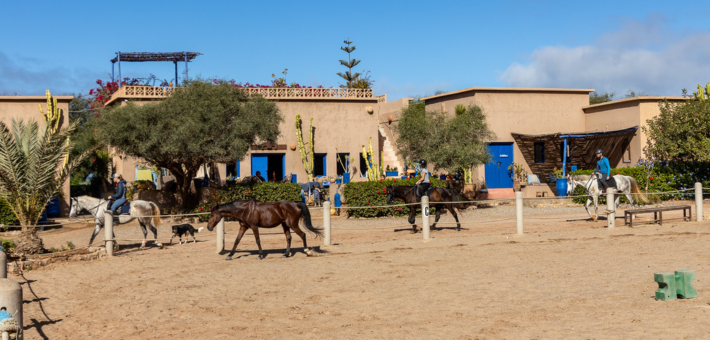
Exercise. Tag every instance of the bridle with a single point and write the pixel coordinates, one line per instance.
(76, 201)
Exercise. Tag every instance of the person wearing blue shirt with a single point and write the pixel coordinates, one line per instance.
(603, 168)
(119, 198)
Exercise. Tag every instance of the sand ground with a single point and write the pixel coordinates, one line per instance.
(566, 278)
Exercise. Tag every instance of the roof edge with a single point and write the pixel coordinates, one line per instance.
(572, 134)
(507, 89)
(638, 99)
(19, 98)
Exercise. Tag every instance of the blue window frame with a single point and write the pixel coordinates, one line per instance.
(233, 170)
(342, 163)
(320, 165)
(539, 152)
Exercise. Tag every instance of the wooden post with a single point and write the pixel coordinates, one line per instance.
(11, 299)
(610, 207)
(326, 223)
(698, 201)
(519, 211)
(425, 217)
(108, 232)
(220, 236)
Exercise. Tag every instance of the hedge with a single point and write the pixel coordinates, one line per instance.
(666, 176)
(263, 192)
(374, 193)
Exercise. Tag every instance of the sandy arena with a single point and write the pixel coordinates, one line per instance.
(566, 278)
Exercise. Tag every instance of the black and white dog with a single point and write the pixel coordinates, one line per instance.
(183, 229)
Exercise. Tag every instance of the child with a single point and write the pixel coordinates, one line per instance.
(316, 197)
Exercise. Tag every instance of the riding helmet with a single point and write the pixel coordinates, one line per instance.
(422, 163)
(600, 151)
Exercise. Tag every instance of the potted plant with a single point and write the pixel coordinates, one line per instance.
(519, 175)
(391, 172)
(561, 186)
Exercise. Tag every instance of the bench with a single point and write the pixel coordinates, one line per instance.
(657, 214)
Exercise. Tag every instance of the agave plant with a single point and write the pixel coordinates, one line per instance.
(33, 166)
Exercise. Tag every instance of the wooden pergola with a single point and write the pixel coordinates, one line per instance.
(578, 147)
(175, 57)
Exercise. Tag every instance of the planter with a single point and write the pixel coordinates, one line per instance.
(516, 186)
(469, 191)
(392, 173)
(561, 188)
(346, 178)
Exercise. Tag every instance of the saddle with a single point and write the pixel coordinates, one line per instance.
(124, 209)
(428, 192)
(611, 182)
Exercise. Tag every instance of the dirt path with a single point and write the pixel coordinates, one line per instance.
(561, 280)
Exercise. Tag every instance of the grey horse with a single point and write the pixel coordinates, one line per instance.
(146, 212)
(624, 185)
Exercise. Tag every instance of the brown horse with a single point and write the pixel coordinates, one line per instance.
(253, 214)
(440, 198)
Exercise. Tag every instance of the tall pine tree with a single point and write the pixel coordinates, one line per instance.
(350, 63)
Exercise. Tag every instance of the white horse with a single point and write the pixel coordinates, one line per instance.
(141, 210)
(624, 185)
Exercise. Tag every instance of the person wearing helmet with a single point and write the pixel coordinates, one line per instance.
(423, 183)
(119, 198)
(603, 168)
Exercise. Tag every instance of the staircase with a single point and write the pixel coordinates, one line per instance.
(389, 150)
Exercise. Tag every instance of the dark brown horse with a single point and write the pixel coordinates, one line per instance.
(253, 214)
(440, 198)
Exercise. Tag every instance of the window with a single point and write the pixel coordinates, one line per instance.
(320, 166)
(627, 154)
(562, 152)
(363, 166)
(342, 163)
(233, 170)
(539, 152)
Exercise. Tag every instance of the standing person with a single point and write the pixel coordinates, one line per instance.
(119, 197)
(424, 182)
(273, 177)
(603, 168)
(316, 196)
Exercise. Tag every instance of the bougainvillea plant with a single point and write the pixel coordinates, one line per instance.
(105, 89)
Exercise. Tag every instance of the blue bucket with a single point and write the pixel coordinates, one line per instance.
(53, 208)
(561, 186)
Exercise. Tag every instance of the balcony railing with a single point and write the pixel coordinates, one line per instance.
(269, 93)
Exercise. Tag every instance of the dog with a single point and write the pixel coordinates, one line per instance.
(183, 229)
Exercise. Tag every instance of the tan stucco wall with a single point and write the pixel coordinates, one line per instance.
(533, 112)
(26, 108)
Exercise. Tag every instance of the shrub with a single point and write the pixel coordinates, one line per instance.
(7, 217)
(9, 247)
(374, 193)
(263, 192)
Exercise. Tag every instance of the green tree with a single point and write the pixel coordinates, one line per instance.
(97, 165)
(34, 163)
(415, 128)
(681, 132)
(350, 63)
(198, 124)
(600, 97)
(463, 142)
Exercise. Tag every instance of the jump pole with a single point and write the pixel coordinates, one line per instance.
(519, 212)
(610, 207)
(11, 299)
(220, 236)
(108, 232)
(698, 201)
(425, 217)
(326, 223)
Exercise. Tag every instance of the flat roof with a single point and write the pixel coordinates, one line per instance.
(155, 56)
(636, 99)
(507, 89)
(577, 134)
(27, 98)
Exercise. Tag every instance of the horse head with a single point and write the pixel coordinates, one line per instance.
(74, 202)
(215, 217)
(390, 195)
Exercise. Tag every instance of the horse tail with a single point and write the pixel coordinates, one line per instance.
(454, 198)
(306, 215)
(156, 213)
(637, 190)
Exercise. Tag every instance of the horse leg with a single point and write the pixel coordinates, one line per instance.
(242, 229)
(145, 234)
(412, 214)
(287, 232)
(586, 207)
(255, 230)
(155, 235)
(596, 208)
(456, 216)
(300, 233)
(96, 232)
(438, 215)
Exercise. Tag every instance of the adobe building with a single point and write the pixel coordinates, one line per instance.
(26, 108)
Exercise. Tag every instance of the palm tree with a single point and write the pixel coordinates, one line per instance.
(34, 164)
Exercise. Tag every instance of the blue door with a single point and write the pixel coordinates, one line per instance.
(497, 175)
(260, 163)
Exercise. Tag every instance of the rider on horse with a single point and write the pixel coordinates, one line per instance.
(119, 198)
(603, 168)
(423, 183)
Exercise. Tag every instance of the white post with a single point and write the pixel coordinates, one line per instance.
(3, 265)
(108, 232)
(610, 206)
(326, 223)
(11, 299)
(220, 236)
(698, 201)
(425, 217)
(519, 211)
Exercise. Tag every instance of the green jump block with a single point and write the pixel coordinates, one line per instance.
(684, 284)
(666, 286)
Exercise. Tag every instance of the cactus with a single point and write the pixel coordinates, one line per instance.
(702, 92)
(307, 162)
(53, 115)
(373, 171)
(341, 161)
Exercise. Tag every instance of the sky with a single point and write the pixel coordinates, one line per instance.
(411, 48)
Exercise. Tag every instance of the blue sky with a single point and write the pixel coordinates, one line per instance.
(411, 48)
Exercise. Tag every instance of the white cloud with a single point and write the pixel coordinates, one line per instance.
(645, 57)
(30, 76)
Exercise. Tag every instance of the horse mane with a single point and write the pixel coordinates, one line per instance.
(580, 177)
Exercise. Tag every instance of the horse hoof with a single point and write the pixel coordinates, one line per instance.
(412, 231)
(309, 253)
(229, 258)
(284, 255)
(594, 219)
(261, 257)
(160, 245)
